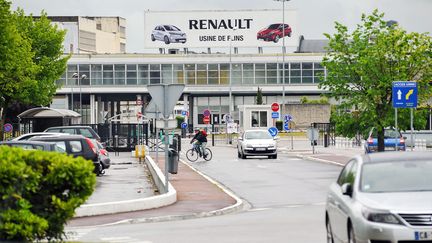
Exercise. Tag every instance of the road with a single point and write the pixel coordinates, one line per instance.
(286, 198)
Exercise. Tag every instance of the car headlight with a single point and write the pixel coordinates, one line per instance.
(271, 147)
(249, 146)
(380, 216)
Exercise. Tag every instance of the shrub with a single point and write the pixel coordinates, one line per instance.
(40, 191)
(180, 120)
(279, 125)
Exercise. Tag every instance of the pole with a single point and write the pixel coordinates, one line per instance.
(412, 129)
(72, 96)
(396, 128)
(166, 155)
(283, 56)
(79, 84)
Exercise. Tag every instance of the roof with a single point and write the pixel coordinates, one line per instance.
(46, 112)
(312, 46)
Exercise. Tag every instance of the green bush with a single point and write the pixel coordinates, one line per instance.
(180, 120)
(40, 191)
(279, 125)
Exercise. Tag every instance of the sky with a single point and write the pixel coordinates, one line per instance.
(315, 17)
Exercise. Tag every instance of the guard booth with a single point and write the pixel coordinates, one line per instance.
(255, 117)
(40, 118)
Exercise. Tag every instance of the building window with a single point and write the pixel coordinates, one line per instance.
(236, 73)
(258, 118)
(271, 73)
(202, 74)
(248, 73)
(143, 74)
(155, 74)
(190, 73)
(120, 73)
(99, 26)
(178, 74)
(307, 72)
(122, 47)
(260, 77)
(84, 71)
(167, 73)
(96, 74)
(71, 69)
(131, 74)
(295, 73)
(213, 74)
(224, 73)
(318, 72)
(108, 75)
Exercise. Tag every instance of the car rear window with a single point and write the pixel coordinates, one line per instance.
(76, 146)
(69, 130)
(86, 133)
(53, 130)
(60, 146)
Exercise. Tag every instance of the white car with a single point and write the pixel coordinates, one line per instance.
(27, 136)
(382, 198)
(168, 34)
(256, 143)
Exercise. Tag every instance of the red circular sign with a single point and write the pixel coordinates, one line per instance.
(206, 119)
(275, 107)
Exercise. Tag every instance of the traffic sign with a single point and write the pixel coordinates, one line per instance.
(206, 119)
(273, 131)
(184, 113)
(404, 94)
(275, 106)
(227, 118)
(286, 126)
(206, 112)
(8, 127)
(184, 125)
(287, 118)
(275, 114)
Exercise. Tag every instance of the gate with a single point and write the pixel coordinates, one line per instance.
(326, 133)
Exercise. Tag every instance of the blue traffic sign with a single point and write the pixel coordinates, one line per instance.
(273, 131)
(286, 127)
(184, 113)
(404, 94)
(275, 114)
(184, 125)
(206, 112)
(287, 118)
(8, 127)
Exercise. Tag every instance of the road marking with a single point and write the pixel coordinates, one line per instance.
(76, 234)
(123, 239)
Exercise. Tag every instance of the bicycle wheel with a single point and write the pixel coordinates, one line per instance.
(191, 155)
(209, 155)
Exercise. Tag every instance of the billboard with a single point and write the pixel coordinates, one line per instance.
(239, 28)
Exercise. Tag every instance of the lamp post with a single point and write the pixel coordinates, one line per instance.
(75, 75)
(231, 105)
(283, 52)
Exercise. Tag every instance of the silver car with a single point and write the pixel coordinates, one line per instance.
(256, 143)
(382, 198)
(168, 34)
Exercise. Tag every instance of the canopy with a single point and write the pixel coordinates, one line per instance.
(46, 112)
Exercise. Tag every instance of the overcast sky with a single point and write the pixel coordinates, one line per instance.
(315, 17)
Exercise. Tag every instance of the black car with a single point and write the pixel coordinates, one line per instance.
(34, 145)
(86, 131)
(76, 145)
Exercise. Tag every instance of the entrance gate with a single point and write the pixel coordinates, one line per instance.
(326, 133)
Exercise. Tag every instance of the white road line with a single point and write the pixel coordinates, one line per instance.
(76, 234)
(123, 239)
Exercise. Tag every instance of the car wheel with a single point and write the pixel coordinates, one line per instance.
(329, 232)
(275, 156)
(166, 39)
(276, 39)
(238, 154)
(243, 156)
(351, 235)
(152, 37)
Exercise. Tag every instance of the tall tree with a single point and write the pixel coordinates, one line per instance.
(361, 67)
(31, 59)
(259, 97)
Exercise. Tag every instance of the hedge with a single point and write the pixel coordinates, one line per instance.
(40, 191)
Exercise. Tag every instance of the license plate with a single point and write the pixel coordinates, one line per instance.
(423, 235)
(260, 149)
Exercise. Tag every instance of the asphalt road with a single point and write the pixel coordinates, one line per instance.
(286, 198)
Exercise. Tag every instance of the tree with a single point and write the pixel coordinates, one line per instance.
(362, 66)
(32, 59)
(259, 97)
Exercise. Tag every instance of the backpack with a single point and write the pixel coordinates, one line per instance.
(204, 133)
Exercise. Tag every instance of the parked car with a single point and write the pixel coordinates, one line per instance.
(256, 143)
(27, 136)
(274, 32)
(382, 197)
(393, 140)
(168, 34)
(86, 131)
(33, 145)
(76, 145)
(103, 155)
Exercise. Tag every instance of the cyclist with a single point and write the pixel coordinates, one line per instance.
(201, 141)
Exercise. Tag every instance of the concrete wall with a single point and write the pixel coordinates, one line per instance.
(305, 114)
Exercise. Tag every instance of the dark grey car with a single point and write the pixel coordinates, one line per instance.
(30, 145)
(86, 131)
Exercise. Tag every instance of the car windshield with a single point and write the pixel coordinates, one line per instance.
(396, 176)
(258, 135)
(273, 26)
(171, 28)
(388, 133)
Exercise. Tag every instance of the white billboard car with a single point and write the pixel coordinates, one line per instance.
(168, 34)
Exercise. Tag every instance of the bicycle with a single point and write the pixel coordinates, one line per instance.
(193, 153)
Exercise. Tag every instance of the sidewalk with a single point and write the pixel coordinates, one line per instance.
(197, 195)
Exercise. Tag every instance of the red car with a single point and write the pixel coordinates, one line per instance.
(274, 32)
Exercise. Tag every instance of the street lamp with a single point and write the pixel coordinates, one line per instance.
(283, 52)
(231, 106)
(75, 75)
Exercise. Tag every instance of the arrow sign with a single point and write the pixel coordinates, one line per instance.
(404, 94)
(165, 96)
(399, 94)
(273, 131)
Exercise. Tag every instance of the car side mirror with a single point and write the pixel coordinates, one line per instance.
(347, 189)
(240, 138)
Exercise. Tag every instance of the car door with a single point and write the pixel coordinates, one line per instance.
(160, 33)
(339, 204)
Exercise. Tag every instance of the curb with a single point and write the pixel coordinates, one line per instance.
(135, 204)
